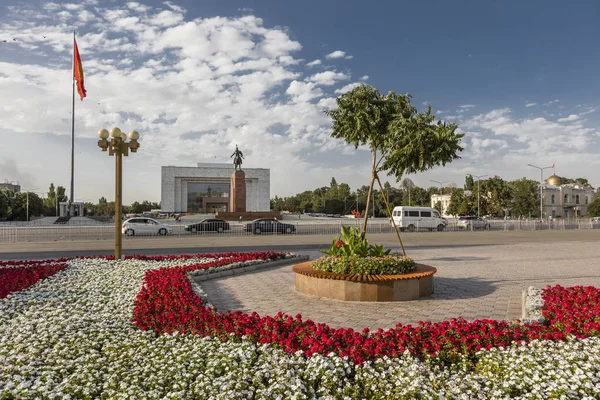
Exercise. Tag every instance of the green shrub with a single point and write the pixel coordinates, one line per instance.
(352, 243)
(391, 264)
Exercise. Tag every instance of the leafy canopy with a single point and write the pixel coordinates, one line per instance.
(408, 141)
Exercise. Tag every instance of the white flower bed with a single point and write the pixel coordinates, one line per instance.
(70, 336)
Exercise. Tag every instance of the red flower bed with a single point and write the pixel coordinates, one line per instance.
(20, 275)
(574, 310)
(167, 304)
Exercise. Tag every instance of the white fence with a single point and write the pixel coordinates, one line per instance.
(21, 232)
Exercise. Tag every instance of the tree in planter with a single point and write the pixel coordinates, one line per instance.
(401, 140)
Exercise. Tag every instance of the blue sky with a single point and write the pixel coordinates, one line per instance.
(195, 78)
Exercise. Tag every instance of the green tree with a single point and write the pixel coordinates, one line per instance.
(406, 186)
(462, 203)
(400, 139)
(60, 194)
(3, 205)
(524, 200)
(469, 182)
(497, 194)
(18, 207)
(593, 209)
(438, 206)
(50, 204)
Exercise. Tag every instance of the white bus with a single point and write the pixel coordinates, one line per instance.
(418, 218)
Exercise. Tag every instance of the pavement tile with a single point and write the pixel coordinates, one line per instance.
(476, 282)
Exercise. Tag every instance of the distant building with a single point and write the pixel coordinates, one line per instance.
(444, 200)
(205, 189)
(565, 201)
(10, 187)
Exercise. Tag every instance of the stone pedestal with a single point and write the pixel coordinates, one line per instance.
(237, 195)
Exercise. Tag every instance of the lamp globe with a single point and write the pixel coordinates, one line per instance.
(115, 132)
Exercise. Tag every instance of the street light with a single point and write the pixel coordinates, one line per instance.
(440, 183)
(118, 147)
(541, 182)
(27, 192)
(478, 178)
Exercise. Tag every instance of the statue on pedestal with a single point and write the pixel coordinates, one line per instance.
(237, 158)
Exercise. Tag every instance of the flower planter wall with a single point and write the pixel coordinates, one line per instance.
(350, 287)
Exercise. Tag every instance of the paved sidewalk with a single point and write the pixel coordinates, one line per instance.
(485, 281)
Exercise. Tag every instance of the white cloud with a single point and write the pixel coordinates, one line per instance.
(138, 7)
(303, 91)
(466, 107)
(572, 117)
(338, 54)
(174, 6)
(530, 105)
(314, 63)
(347, 88)
(588, 111)
(191, 100)
(364, 77)
(535, 134)
(328, 78)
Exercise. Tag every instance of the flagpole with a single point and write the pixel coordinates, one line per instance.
(72, 133)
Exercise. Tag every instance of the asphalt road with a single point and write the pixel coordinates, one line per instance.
(12, 234)
(306, 244)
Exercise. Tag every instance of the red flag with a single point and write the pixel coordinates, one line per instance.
(78, 70)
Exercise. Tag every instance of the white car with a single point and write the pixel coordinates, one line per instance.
(144, 226)
(472, 223)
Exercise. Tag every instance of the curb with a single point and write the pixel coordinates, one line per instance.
(531, 306)
(248, 268)
(196, 279)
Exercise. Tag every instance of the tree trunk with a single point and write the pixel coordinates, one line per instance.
(374, 152)
(391, 217)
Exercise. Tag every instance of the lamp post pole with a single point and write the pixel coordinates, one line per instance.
(441, 194)
(541, 183)
(118, 147)
(478, 193)
(440, 183)
(27, 203)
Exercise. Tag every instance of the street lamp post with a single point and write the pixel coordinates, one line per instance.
(441, 194)
(541, 183)
(27, 207)
(118, 147)
(440, 183)
(478, 193)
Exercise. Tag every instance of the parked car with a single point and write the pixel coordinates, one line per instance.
(259, 226)
(145, 226)
(208, 225)
(472, 223)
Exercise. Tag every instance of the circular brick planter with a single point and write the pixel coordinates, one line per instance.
(353, 287)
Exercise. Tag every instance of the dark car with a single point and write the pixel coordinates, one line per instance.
(208, 225)
(259, 226)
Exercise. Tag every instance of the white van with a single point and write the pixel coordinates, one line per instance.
(418, 218)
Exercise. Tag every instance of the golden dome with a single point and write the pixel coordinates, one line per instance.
(554, 180)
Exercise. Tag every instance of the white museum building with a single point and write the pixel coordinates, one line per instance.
(205, 189)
